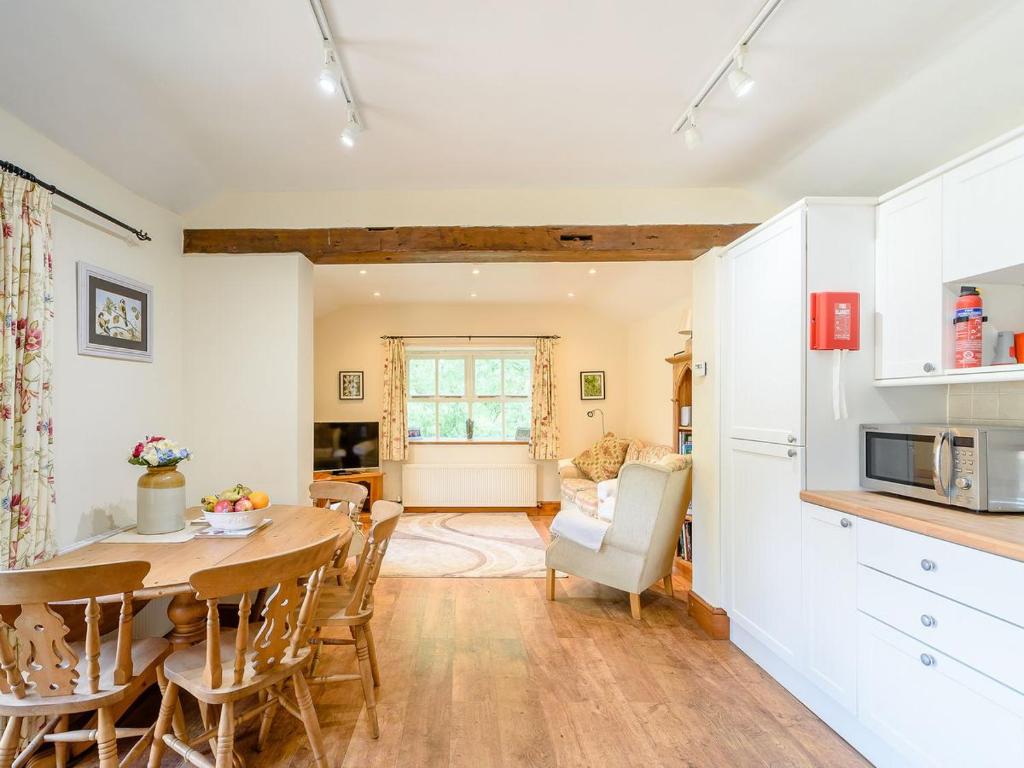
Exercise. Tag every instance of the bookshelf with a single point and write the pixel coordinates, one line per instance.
(682, 432)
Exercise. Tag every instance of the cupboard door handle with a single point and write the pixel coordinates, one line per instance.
(791, 439)
(928, 621)
(791, 452)
(927, 659)
(928, 367)
(845, 523)
(927, 565)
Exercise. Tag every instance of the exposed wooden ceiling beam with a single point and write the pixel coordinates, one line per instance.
(419, 245)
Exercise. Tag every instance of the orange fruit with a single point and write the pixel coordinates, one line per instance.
(259, 499)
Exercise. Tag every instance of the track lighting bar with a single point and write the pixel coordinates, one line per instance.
(333, 77)
(733, 66)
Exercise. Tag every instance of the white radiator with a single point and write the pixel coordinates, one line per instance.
(469, 485)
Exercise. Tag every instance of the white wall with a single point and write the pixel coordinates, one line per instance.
(475, 207)
(248, 373)
(649, 383)
(350, 340)
(102, 407)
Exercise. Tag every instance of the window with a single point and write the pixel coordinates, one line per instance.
(482, 395)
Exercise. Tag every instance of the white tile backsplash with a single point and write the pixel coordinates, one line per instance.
(1001, 403)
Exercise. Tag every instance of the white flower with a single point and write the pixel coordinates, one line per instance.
(150, 456)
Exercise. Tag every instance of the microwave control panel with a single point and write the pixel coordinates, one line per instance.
(964, 469)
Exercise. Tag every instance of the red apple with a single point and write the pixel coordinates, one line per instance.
(223, 506)
(243, 505)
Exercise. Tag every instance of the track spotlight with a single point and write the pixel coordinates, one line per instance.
(739, 80)
(330, 75)
(691, 134)
(351, 130)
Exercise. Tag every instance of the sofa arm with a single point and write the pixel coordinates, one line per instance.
(567, 470)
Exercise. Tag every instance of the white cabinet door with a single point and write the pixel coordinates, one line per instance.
(908, 284)
(764, 343)
(830, 602)
(982, 206)
(933, 709)
(763, 497)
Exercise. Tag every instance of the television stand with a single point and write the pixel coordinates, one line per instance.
(372, 479)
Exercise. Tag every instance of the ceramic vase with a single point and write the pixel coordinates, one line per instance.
(161, 501)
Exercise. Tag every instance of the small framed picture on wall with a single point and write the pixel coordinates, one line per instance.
(115, 315)
(350, 385)
(591, 385)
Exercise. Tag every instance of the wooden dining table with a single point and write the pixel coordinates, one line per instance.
(172, 564)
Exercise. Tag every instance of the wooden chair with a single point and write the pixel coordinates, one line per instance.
(352, 607)
(232, 665)
(49, 680)
(352, 496)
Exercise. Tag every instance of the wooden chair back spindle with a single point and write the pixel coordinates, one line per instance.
(385, 519)
(34, 654)
(285, 626)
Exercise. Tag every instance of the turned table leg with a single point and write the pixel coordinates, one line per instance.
(188, 616)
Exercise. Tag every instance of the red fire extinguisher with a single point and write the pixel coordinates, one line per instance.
(967, 322)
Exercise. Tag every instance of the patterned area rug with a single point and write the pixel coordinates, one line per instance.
(482, 545)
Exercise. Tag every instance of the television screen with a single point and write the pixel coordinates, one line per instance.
(345, 445)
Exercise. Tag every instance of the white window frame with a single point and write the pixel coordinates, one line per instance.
(469, 357)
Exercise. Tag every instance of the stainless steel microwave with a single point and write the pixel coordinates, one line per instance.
(975, 467)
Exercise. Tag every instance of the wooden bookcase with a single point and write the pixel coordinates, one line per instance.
(682, 395)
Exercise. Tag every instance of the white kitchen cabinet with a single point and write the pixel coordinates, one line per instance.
(766, 302)
(932, 709)
(908, 284)
(982, 204)
(829, 562)
(763, 497)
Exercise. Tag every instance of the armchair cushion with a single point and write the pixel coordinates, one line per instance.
(602, 460)
(572, 487)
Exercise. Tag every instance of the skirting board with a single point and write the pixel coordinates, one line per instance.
(543, 508)
(712, 620)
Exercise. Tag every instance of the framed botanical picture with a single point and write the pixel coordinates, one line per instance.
(350, 385)
(115, 315)
(591, 385)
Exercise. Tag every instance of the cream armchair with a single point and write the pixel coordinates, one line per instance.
(640, 542)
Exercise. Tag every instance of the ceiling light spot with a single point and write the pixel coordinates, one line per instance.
(591, 271)
(476, 271)
(571, 295)
(376, 294)
(472, 295)
(362, 271)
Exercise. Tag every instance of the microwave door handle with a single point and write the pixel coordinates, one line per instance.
(940, 440)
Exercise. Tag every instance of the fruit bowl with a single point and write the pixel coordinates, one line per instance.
(234, 521)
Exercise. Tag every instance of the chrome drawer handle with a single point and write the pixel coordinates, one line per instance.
(927, 565)
(928, 367)
(928, 660)
(791, 452)
(928, 621)
(845, 523)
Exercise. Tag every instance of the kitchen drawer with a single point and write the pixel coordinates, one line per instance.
(981, 580)
(934, 710)
(990, 645)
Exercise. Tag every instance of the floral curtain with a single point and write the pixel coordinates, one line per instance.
(544, 415)
(394, 438)
(26, 366)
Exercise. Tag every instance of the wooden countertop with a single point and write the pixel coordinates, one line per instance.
(999, 534)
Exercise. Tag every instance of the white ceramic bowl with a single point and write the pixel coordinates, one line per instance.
(234, 521)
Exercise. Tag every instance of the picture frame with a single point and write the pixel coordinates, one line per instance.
(592, 385)
(115, 315)
(350, 385)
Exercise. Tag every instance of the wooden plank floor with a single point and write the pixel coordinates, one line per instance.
(486, 673)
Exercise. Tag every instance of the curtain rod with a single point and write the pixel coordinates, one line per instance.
(474, 336)
(12, 168)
